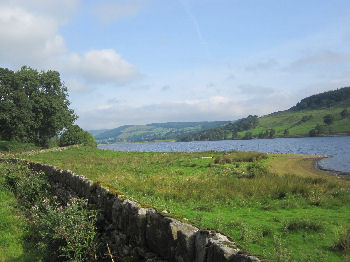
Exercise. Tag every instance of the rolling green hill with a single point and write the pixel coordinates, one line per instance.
(323, 114)
(152, 132)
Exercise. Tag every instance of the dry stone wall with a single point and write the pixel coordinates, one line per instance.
(144, 233)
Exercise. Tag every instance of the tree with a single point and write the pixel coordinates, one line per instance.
(344, 113)
(34, 105)
(74, 135)
(313, 132)
(248, 135)
(328, 119)
(272, 133)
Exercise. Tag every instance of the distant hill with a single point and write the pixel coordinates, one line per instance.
(306, 118)
(152, 132)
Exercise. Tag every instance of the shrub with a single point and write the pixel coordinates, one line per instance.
(328, 119)
(58, 231)
(343, 241)
(74, 135)
(302, 224)
(345, 113)
(65, 231)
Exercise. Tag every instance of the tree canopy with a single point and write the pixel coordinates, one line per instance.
(34, 106)
(75, 135)
(323, 100)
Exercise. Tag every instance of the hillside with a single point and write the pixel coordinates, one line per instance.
(152, 132)
(322, 114)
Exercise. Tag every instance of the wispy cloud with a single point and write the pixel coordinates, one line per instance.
(114, 10)
(264, 65)
(185, 4)
(322, 57)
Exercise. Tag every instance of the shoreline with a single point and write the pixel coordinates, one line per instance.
(339, 174)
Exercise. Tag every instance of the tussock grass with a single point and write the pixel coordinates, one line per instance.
(343, 241)
(240, 197)
(14, 146)
(302, 224)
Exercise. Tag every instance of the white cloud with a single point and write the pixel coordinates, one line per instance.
(101, 66)
(29, 35)
(110, 11)
(28, 38)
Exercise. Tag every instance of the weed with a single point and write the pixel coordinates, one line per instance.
(343, 241)
(302, 224)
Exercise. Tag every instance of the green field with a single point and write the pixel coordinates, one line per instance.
(281, 217)
(292, 121)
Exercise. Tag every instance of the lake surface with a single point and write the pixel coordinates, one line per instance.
(337, 147)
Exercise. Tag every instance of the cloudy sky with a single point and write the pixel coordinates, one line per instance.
(144, 61)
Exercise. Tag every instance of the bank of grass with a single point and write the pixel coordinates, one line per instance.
(13, 228)
(300, 216)
(14, 147)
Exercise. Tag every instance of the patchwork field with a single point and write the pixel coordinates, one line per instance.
(275, 206)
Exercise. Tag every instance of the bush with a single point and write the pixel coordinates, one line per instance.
(65, 231)
(328, 119)
(60, 232)
(74, 135)
(345, 113)
(302, 224)
(343, 242)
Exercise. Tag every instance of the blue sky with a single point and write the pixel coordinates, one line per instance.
(144, 61)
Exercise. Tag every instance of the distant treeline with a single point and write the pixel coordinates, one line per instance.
(229, 131)
(154, 131)
(322, 100)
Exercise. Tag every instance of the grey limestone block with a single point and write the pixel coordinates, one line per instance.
(185, 249)
(162, 234)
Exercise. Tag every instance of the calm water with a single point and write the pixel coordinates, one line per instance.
(337, 147)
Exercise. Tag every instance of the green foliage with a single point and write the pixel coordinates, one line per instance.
(74, 135)
(302, 224)
(14, 146)
(58, 231)
(328, 119)
(343, 241)
(325, 99)
(33, 105)
(66, 231)
(345, 113)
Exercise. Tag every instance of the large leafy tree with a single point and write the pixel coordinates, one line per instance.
(75, 135)
(34, 106)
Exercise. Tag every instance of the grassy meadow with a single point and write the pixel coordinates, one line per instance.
(275, 206)
(292, 121)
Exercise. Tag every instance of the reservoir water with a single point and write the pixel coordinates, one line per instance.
(336, 147)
